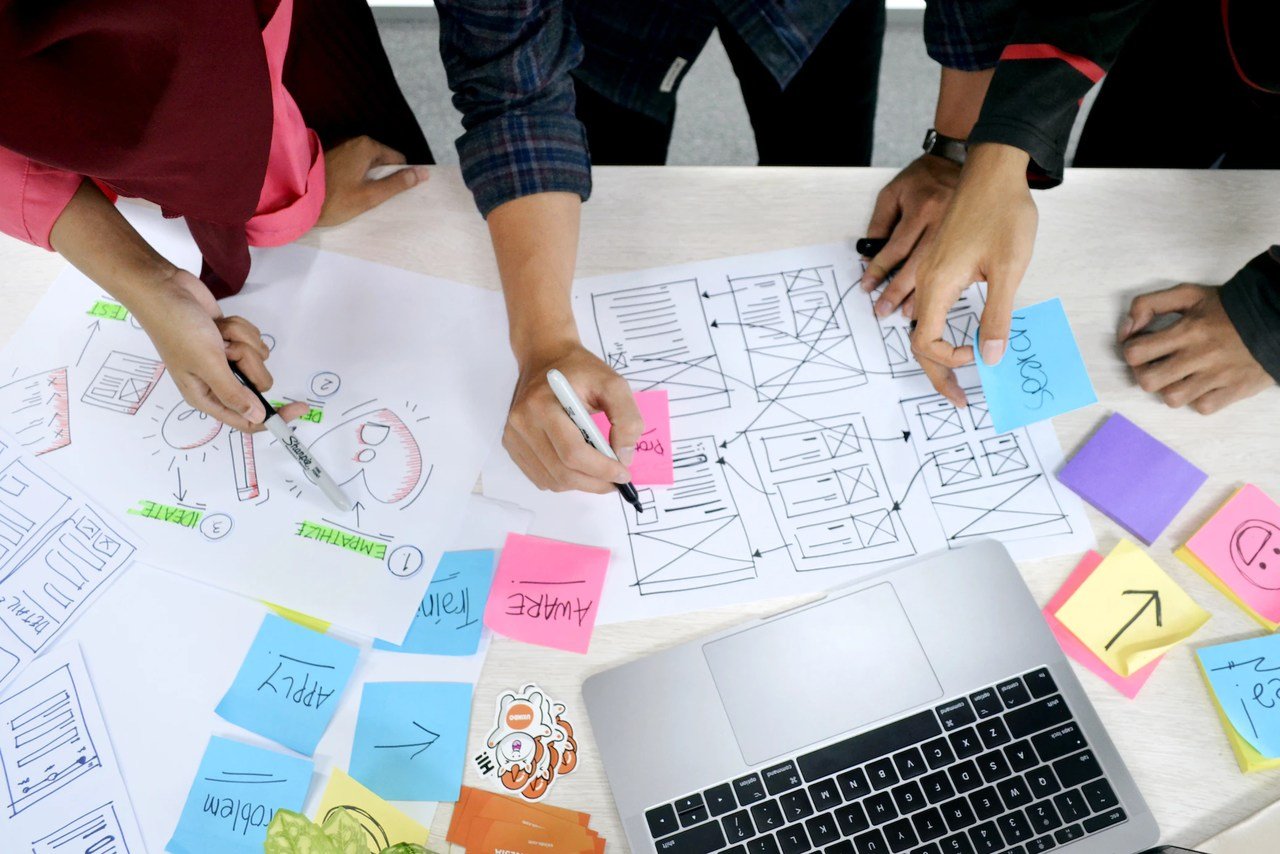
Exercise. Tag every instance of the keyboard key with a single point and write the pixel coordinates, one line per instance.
(861, 749)
(908, 798)
(1015, 828)
(993, 733)
(693, 816)
(986, 703)
(688, 803)
(938, 753)
(957, 844)
(1043, 783)
(1070, 833)
(767, 816)
(986, 803)
(1041, 683)
(1017, 849)
(737, 826)
(986, 839)
(965, 743)
(993, 766)
(1071, 805)
(965, 776)
(1058, 742)
(1039, 846)
(825, 794)
(1043, 817)
(749, 789)
(702, 839)
(822, 830)
(929, 825)
(1037, 716)
(852, 819)
(719, 799)
(844, 846)
(795, 805)
(958, 814)
(880, 808)
(1013, 693)
(737, 849)
(853, 784)
(1020, 755)
(931, 848)
(909, 763)
(781, 777)
(1100, 795)
(937, 787)
(763, 845)
(882, 774)
(662, 820)
(871, 842)
(793, 840)
(1106, 819)
(1014, 793)
(900, 835)
(1077, 769)
(956, 714)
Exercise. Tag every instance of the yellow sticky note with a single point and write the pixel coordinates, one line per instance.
(313, 623)
(1129, 611)
(384, 825)
(1188, 557)
(1247, 757)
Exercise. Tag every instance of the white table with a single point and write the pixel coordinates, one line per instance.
(1105, 236)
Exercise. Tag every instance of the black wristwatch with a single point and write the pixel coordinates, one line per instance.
(946, 147)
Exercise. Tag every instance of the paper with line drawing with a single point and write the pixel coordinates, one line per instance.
(408, 383)
(808, 447)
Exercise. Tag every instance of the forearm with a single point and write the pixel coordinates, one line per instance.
(960, 95)
(1251, 299)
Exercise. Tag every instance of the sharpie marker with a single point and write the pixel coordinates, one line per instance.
(300, 452)
(870, 247)
(587, 427)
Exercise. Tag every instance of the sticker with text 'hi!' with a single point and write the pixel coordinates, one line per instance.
(531, 744)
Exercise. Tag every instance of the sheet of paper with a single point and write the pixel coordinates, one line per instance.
(547, 592)
(1128, 612)
(383, 823)
(652, 463)
(1245, 679)
(58, 551)
(290, 684)
(1042, 373)
(236, 791)
(1238, 551)
(450, 617)
(789, 405)
(59, 774)
(1073, 647)
(301, 619)
(1136, 480)
(411, 739)
(350, 338)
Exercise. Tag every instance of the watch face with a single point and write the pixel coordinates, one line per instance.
(930, 137)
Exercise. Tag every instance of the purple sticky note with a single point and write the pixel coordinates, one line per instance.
(1138, 481)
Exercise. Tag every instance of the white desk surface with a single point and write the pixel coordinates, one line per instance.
(1105, 236)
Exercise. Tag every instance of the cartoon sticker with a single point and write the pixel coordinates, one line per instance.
(531, 743)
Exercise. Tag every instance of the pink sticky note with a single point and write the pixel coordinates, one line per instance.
(652, 463)
(546, 592)
(1071, 645)
(1241, 545)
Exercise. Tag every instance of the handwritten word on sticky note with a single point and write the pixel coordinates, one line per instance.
(1245, 679)
(1128, 612)
(1042, 373)
(289, 684)
(411, 739)
(237, 790)
(1238, 551)
(652, 463)
(385, 825)
(449, 617)
(1132, 477)
(547, 592)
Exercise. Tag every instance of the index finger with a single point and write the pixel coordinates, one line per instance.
(936, 355)
(576, 454)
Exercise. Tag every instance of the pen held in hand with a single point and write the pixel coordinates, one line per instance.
(581, 419)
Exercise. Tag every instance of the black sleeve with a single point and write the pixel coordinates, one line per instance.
(1252, 300)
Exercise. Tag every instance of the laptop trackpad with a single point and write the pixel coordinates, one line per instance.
(820, 672)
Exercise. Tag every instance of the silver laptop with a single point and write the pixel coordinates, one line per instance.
(926, 710)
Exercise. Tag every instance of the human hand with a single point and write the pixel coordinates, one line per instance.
(195, 340)
(544, 442)
(349, 191)
(987, 234)
(908, 211)
(1199, 360)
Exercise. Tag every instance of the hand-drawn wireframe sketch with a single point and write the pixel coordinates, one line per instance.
(828, 493)
(657, 336)
(690, 535)
(39, 410)
(96, 832)
(28, 502)
(796, 333)
(895, 330)
(123, 382)
(377, 448)
(980, 484)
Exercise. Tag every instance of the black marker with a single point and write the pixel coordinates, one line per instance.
(870, 247)
(582, 420)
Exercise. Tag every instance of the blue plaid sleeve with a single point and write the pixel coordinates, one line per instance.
(968, 35)
(508, 64)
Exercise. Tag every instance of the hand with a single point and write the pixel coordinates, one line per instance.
(195, 341)
(908, 211)
(1199, 360)
(544, 442)
(349, 191)
(987, 234)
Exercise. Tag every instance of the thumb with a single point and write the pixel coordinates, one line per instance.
(997, 317)
(379, 190)
(626, 424)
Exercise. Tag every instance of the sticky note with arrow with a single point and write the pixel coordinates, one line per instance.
(1129, 611)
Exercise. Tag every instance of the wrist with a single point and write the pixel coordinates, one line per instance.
(540, 343)
(996, 161)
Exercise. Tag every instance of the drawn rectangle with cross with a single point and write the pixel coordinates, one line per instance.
(895, 330)
(123, 383)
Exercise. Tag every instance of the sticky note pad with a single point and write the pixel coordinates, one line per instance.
(1072, 646)
(547, 592)
(313, 623)
(1042, 373)
(1129, 611)
(1243, 680)
(385, 824)
(236, 791)
(1238, 551)
(289, 684)
(411, 739)
(652, 464)
(451, 613)
(1136, 480)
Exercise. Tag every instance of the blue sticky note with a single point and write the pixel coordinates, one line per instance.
(411, 739)
(237, 790)
(1245, 677)
(450, 616)
(289, 684)
(1042, 373)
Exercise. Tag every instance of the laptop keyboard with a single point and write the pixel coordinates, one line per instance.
(1005, 770)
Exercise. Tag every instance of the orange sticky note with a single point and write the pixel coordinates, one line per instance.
(547, 592)
(652, 463)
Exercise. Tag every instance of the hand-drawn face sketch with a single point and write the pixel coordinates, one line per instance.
(374, 449)
(1255, 551)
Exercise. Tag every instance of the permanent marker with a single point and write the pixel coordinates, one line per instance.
(587, 427)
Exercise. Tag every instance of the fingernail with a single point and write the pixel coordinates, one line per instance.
(868, 282)
(1126, 328)
(626, 455)
(992, 351)
(883, 307)
(422, 172)
(909, 311)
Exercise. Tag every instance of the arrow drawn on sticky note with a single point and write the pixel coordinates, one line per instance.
(1153, 596)
(422, 745)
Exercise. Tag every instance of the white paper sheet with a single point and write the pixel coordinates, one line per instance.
(789, 404)
(164, 650)
(62, 788)
(412, 376)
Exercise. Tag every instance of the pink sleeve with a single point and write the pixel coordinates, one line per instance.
(32, 197)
